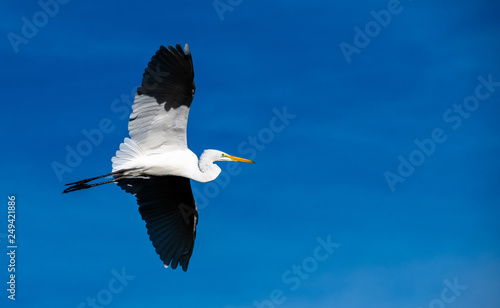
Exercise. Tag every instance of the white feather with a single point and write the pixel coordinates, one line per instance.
(153, 128)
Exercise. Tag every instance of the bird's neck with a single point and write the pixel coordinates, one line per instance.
(208, 171)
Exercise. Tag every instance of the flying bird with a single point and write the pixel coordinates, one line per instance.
(155, 164)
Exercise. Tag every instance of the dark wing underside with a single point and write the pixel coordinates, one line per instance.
(169, 77)
(166, 204)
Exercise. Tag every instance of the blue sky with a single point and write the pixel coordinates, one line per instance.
(374, 125)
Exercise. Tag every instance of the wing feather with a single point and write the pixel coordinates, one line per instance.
(167, 206)
(161, 105)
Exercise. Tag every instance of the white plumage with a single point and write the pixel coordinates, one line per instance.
(155, 163)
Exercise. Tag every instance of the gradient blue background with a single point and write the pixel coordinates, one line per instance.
(321, 175)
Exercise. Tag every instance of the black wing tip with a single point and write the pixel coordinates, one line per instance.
(172, 264)
(176, 51)
(174, 258)
(178, 48)
(169, 76)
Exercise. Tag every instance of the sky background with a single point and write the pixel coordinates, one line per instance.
(356, 103)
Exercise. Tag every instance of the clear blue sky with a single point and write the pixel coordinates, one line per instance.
(374, 125)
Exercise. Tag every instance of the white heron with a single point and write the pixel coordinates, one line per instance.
(155, 164)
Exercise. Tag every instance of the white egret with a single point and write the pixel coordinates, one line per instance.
(155, 163)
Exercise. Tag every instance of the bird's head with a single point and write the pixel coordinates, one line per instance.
(216, 155)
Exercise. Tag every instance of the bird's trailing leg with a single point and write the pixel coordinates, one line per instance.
(83, 184)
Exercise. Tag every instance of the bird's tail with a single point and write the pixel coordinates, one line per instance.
(84, 184)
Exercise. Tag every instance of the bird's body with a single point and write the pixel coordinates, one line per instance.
(178, 162)
(155, 163)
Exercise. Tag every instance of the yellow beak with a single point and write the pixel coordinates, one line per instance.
(243, 160)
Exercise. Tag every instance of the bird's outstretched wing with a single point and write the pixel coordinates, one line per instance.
(161, 105)
(166, 204)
